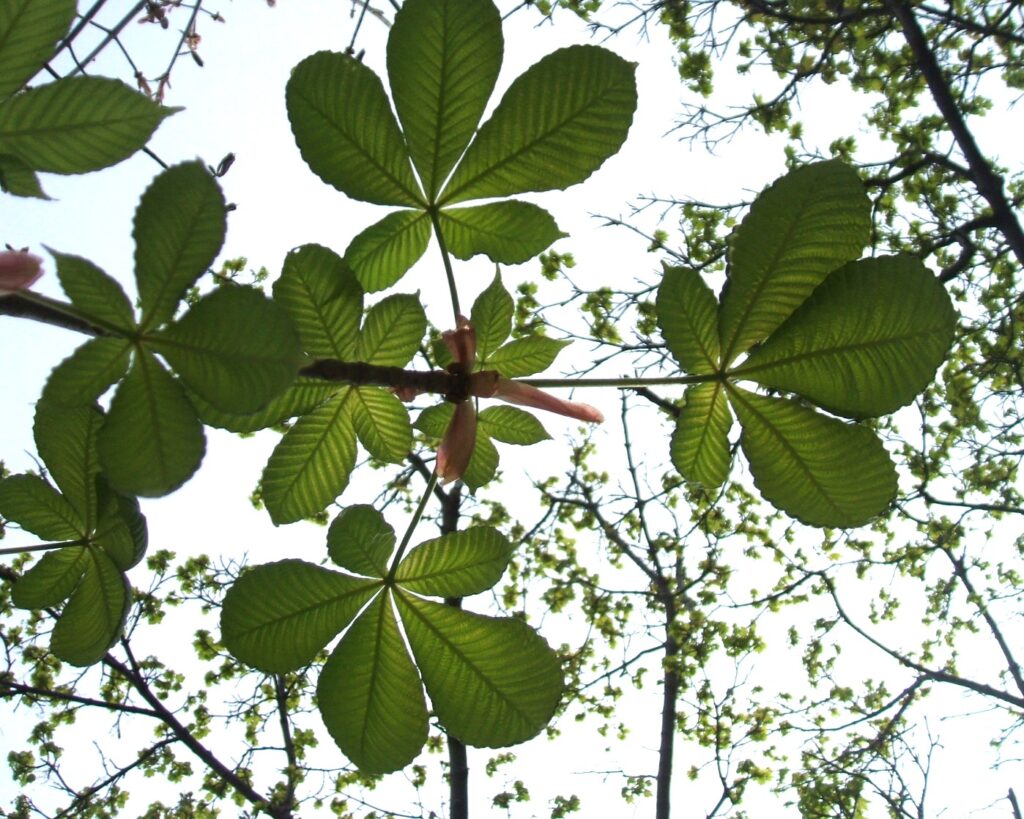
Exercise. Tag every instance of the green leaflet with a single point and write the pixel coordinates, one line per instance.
(443, 58)
(381, 422)
(29, 32)
(88, 372)
(278, 616)
(370, 696)
(483, 463)
(817, 469)
(798, 230)
(512, 426)
(505, 232)
(346, 132)
(492, 681)
(700, 443)
(303, 396)
(556, 125)
(392, 331)
(688, 316)
(324, 299)
(99, 298)
(456, 565)
(77, 124)
(152, 441)
(104, 533)
(361, 541)
(235, 348)
(18, 179)
(866, 341)
(491, 317)
(94, 616)
(385, 251)
(179, 229)
(525, 356)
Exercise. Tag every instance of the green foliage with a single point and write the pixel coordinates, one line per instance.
(96, 533)
(491, 681)
(74, 125)
(858, 338)
(554, 127)
(234, 349)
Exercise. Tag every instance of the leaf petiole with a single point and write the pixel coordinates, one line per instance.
(427, 492)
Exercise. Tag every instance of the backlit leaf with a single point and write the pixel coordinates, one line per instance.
(361, 541)
(152, 441)
(29, 32)
(18, 179)
(179, 229)
(799, 229)
(700, 443)
(492, 681)
(77, 124)
(370, 696)
(88, 372)
(457, 564)
(278, 616)
(51, 579)
(92, 620)
(98, 296)
(382, 423)
(38, 508)
(505, 232)
(817, 469)
(491, 317)
(525, 356)
(382, 253)
(393, 330)
(688, 316)
(557, 123)
(346, 132)
(512, 426)
(66, 441)
(866, 341)
(305, 395)
(443, 60)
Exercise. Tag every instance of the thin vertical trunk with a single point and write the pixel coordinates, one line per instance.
(669, 697)
(458, 762)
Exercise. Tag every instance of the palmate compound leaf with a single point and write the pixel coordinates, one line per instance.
(370, 695)
(819, 470)
(799, 229)
(106, 531)
(492, 681)
(278, 616)
(557, 124)
(443, 58)
(868, 339)
(310, 466)
(29, 32)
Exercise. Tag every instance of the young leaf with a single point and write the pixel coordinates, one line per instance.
(700, 443)
(385, 251)
(77, 124)
(512, 426)
(324, 300)
(382, 423)
(309, 468)
(505, 232)
(179, 229)
(491, 317)
(525, 356)
(816, 469)
(688, 316)
(866, 341)
(88, 372)
(493, 682)
(99, 297)
(235, 348)
(799, 229)
(92, 620)
(392, 331)
(29, 32)
(370, 696)
(443, 60)
(346, 132)
(278, 616)
(457, 564)
(557, 124)
(152, 441)
(361, 541)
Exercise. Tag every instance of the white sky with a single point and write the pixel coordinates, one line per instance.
(236, 104)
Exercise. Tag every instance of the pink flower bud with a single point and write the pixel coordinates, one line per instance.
(516, 392)
(18, 271)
